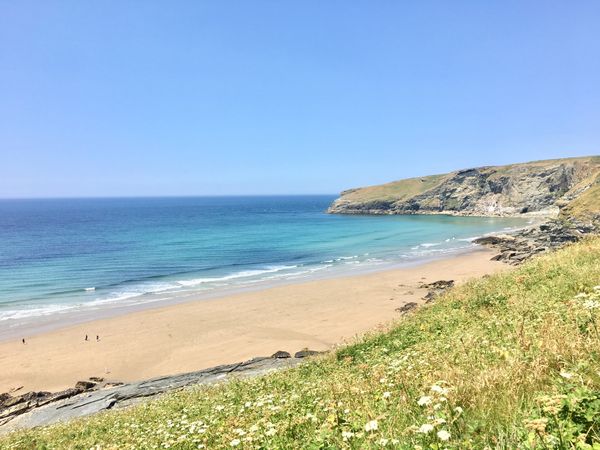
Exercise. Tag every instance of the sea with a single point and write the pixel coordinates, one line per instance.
(69, 260)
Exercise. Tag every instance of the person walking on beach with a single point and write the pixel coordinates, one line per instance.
(23, 340)
(86, 337)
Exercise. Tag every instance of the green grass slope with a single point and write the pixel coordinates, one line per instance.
(587, 205)
(508, 361)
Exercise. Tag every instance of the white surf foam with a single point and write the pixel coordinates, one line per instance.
(234, 276)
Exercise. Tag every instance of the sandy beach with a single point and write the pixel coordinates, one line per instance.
(199, 334)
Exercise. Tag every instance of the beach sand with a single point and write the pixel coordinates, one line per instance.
(199, 334)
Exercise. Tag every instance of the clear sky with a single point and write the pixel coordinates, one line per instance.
(113, 98)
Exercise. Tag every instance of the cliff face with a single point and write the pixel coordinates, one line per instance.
(541, 187)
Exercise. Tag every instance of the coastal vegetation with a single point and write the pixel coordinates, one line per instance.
(506, 361)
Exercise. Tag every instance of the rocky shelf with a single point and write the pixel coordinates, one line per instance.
(525, 243)
(95, 395)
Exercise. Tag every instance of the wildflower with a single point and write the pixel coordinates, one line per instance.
(582, 295)
(253, 428)
(439, 390)
(387, 394)
(426, 428)
(311, 417)
(371, 426)
(552, 405)
(443, 435)
(458, 410)
(566, 375)
(596, 288)
(235, 442)
(383, 442)
(591, 304)
(538, 425)
(425, 400)
(271, 432)
(346, 435)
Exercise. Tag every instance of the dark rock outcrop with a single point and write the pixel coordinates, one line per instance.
(436, 289)
(85, 385)
(527, 242)
(407, 307)
(281, 354)
(305, 353)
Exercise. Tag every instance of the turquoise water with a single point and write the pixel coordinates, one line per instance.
(62, 256)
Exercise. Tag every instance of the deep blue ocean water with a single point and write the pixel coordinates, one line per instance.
(61, 255)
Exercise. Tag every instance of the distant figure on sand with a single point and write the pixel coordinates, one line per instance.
(97, 338)
(86, 337)
(23, 340)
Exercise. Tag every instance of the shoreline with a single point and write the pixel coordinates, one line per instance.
(29, 327)
(191, 335)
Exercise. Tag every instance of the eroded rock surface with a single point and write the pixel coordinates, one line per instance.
(43, 408)
(541, 187)
(552, 234)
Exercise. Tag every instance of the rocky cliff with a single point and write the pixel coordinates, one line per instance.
(535, 188)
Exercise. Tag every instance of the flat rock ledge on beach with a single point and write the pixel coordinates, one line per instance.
(89, 397)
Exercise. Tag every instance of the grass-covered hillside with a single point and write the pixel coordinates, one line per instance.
(538, 186)
(509, 361)
(587, 205)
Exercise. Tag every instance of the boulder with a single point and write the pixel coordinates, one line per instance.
(436, 289)
(306, 353)
(440, 284)
(85, 385)
(407, 307)
(3, 398)
(281, 354)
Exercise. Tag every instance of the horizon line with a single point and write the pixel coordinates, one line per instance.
(115, 197)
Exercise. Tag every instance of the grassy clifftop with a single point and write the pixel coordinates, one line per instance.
(587, 204)
(508, 361)
(534, 187)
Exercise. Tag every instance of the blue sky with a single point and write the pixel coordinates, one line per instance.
(112, 98)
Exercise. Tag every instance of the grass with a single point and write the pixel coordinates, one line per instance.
(587, 204)
(503, 362)
(396, 190)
